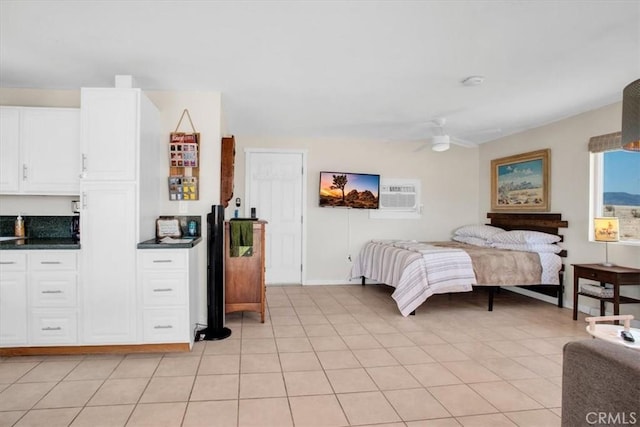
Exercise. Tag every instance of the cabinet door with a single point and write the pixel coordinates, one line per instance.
(9, 150)
(51, 150)
(13, 308)
(244, 276)
(108, 266)
(109, 133)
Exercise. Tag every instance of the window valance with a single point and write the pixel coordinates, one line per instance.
(608, 142)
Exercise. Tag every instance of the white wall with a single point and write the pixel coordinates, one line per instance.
(205, 110)
(570, 188)
(449, 194)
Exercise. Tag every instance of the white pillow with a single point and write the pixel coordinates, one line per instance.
(523, 236)
(476, 241)
(529, 247)
(480, 231)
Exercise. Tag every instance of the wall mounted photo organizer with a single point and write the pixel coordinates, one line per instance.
(184, 161)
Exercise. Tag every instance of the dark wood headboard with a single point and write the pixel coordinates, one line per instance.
(544, 222)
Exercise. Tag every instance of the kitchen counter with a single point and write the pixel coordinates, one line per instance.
(184, 243)
(35, 243)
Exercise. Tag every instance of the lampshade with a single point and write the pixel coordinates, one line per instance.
(440, 143)
(606, 229)
(631, 116)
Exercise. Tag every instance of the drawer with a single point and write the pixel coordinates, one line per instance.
(54, 327)
(53, 289)
(166, 326)
(168, 288)
(53, 260)
(598, 276)
(12, 261)
(164, 259)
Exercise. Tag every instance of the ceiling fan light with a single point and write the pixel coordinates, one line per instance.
(440, 143)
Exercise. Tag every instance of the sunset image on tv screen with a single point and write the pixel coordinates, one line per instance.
(353, 190)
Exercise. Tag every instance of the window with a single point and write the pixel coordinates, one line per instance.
(616, 187)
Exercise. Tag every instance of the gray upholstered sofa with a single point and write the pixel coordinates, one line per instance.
(600, 384)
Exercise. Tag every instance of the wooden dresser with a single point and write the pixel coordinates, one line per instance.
(244, 276)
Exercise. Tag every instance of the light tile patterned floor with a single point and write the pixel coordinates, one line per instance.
(326, 356)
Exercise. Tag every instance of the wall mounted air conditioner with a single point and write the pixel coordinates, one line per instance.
(399, 199)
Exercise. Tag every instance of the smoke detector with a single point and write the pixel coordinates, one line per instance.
(473, 81)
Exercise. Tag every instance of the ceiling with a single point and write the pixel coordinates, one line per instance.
(339, 69)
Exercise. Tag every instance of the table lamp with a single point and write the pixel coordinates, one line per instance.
(606, 230)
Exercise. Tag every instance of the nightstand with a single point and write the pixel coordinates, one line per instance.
(614, 275)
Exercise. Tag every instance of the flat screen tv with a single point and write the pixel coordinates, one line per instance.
(349, 190)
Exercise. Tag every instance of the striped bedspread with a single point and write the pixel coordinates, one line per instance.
(416, 270)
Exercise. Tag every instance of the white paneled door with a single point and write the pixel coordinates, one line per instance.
(275, 187)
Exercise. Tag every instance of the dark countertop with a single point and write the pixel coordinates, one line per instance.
(154, 244)
(35, 243)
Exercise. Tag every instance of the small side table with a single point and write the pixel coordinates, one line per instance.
(614, 275)
(611, 333)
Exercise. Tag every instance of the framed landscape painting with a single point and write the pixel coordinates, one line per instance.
(521, 182)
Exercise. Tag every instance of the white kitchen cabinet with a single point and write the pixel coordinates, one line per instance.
(51, 156)
(168, 280)
(13, 298)
(53, 297)
(38, 297)
(110, 133)
(40, 150)
(9, 150)
(108, 267)
(120, 195)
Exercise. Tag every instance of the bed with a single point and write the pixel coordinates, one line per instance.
(418, 270)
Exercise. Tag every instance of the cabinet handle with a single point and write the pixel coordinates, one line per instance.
(50, 262)
(49, 328)
(163, 327)
(163, 290)
(57, 291)
(162, 260)
(7, 262)
(83, 167)
(24, 171)
(84, 200)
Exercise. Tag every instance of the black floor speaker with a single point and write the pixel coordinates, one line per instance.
(215, 329)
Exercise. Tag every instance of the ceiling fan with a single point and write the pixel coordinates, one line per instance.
(441, 140)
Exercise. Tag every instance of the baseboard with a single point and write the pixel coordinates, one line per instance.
(356, 281)
(95, 349)
(532, 294)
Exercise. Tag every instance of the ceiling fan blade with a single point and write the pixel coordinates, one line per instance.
(421, 148)
(463, 142)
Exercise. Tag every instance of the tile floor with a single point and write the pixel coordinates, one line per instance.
(326, 356)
